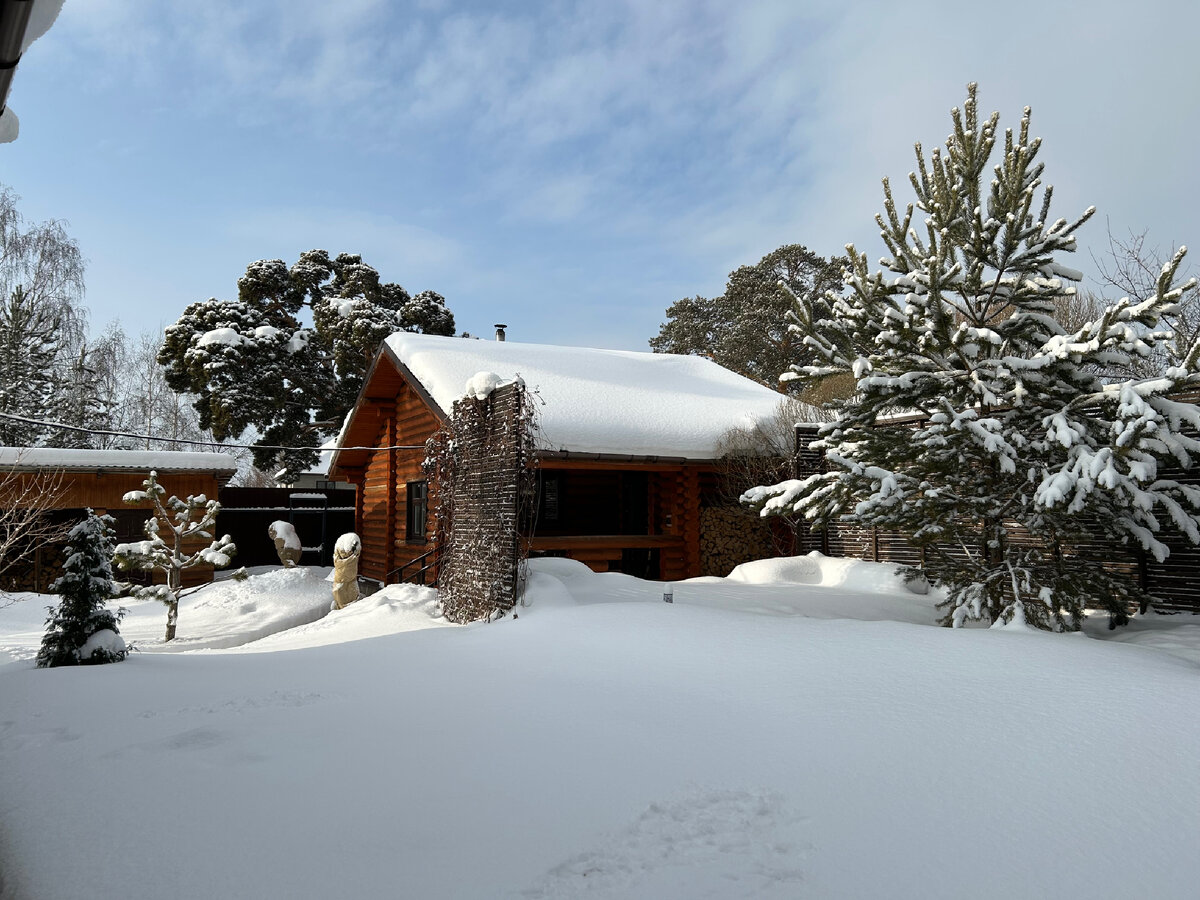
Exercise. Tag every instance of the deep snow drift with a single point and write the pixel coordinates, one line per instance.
(795, 730)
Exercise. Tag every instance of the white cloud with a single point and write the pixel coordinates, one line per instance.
(713, 132)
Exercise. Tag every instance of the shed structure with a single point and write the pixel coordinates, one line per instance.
(627, 445)
(98, 479)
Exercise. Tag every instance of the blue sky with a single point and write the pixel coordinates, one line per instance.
(568, 168)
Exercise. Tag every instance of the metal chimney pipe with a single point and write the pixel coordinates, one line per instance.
(500, 326)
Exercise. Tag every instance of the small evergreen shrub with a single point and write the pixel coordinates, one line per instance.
(82, 630)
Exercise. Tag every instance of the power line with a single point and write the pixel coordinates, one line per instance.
(226, 446)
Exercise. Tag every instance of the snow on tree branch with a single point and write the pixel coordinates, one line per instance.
(188, 522)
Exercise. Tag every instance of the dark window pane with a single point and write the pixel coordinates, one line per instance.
(417, 496)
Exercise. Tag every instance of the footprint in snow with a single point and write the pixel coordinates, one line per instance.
(704, 844)
(275, 699)
(10, 739)
(195, 739)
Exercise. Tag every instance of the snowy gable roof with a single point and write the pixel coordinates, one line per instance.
(31, 458)
(599, 401)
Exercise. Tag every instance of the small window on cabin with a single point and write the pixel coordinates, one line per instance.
(417, 497)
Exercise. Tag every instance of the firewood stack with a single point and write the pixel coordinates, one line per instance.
(730, 536)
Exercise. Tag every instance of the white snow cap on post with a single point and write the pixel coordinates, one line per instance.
(347, 545)
(280, 529)
(481, 384)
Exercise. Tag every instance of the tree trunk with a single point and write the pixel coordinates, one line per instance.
(172, 618)
(175, 585)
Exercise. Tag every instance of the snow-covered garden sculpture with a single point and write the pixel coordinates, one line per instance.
(169, 557)
(287, 543)
(1011, 427)
(345, 569)
(82, 630)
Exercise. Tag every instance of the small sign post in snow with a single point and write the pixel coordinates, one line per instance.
(668, 593)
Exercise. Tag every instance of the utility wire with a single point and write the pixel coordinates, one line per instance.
(150, 437)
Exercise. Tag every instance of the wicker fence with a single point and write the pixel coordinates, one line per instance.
(481, 461)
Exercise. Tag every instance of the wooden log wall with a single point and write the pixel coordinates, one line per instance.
(670, 500)
(382, 503)
(691, 521)
(102, 491)
(415, 424)
(376, 529)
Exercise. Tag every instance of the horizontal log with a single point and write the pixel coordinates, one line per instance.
(550, 464)
(588, 555)
(606, 541)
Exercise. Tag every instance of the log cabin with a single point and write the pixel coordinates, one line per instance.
(627, 443)
(98, 479)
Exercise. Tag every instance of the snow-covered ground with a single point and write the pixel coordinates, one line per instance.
(795, 730)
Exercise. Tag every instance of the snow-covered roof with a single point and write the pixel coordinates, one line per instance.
(132, 460)
(42, 14)
(599, 401)
(321, 466)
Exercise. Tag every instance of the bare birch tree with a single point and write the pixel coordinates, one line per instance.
(26, 501)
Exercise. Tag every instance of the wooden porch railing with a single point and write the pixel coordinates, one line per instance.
(421, 567)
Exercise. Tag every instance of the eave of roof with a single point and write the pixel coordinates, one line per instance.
(32, 459)
(379, 385)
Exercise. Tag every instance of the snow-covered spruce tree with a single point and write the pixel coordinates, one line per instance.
(1010, 431)
(82, 630)
(29, 349)
(252, 363)
(42, 320)
(169, 556)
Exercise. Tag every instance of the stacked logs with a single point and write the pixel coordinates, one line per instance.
(730, 536)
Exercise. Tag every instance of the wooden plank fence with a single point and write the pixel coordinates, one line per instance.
(319, 516)
(1174, 583)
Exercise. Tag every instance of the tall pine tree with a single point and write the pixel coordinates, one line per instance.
(42, 320)
(1011, 429)
(29, 350)
(252, 362)
(745, 329)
